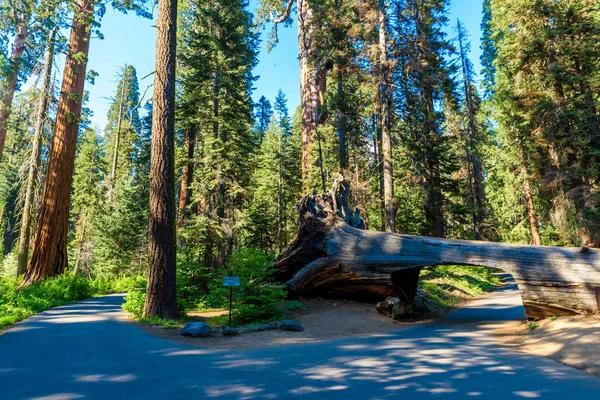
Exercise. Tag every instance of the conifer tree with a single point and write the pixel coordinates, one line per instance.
(262, 115)
(217, 60)
(87, 199)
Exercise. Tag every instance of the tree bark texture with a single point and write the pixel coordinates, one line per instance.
(386, 128)
(185, 194)
(25, 234)
(9, 84)
(115, 161)
(161, 299)
(49, 255)
(528, 193)
(331, 258)
(310, 82)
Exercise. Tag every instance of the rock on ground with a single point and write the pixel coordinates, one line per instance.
(290, 325)
(422, 304)
(229, 331)
(196, 329)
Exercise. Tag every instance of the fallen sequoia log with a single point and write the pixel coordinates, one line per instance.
(332, 257)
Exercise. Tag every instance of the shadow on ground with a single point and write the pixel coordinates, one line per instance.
(86, 351)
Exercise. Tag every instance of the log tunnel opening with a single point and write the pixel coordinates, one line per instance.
(406, 282)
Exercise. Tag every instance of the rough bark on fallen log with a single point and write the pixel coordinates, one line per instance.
(330, 258)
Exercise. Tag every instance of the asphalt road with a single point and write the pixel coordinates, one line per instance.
(87, 350)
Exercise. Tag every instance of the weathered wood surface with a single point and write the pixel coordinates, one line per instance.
(331, 258)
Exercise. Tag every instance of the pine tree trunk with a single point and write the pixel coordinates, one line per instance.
(341, 122)
(533, 220)
(9, 83)
(113, 171)
(49, 255)
(161, 298)
(309, 94)
(471, 160)
(386, 134)
(81, 224)
(34, 162)
(185, 195)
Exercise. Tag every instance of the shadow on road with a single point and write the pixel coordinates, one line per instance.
(86, 351)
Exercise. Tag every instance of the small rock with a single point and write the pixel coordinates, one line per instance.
(290, 325)
(196, 329)
(229, 331)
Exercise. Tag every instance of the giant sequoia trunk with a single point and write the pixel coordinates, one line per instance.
(34, 161)
(161, 299)
(9, 85)
(312, 81)
(49, 255)
(332, 257)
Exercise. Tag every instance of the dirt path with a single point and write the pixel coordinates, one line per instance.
(322, 320)
(574, 341)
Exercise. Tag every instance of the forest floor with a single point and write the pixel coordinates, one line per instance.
(448, 286)
(322, 320)
(570, 340)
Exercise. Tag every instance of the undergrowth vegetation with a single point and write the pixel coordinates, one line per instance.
(199, 288)
(16, 305)
(449, 285)
(258, 298)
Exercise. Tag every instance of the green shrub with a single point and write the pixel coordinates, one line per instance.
(192, 281)
(134, 303)
(258, 297)
(532, 325)
(294, 305)
(53, 292)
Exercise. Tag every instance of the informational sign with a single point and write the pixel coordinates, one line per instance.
(231, 281)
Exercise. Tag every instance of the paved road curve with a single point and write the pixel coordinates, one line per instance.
(85, 350)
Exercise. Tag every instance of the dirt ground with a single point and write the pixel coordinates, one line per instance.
(574, 341)
(322, 320)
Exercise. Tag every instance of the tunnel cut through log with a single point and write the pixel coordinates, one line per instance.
(333, 257)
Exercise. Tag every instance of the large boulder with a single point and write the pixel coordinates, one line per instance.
(196, 329)
(290, 325)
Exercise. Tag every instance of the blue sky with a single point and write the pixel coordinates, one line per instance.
(129, 39)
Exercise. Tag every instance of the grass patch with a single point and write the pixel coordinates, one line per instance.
(64, 289)
(165, 323)
(449, 285)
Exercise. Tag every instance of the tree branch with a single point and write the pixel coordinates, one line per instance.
(281, 18)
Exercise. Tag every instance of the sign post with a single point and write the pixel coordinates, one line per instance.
(231, 281)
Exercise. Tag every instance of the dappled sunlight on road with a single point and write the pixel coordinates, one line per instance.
(85, 350)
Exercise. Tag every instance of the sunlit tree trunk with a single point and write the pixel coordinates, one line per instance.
(341, 128)
(386, 129)
(309, 89)
(473, 162)
(113, 171)
(528, 193)
(161, 299)
(9, 83)
(49, 255)
(25, 234)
